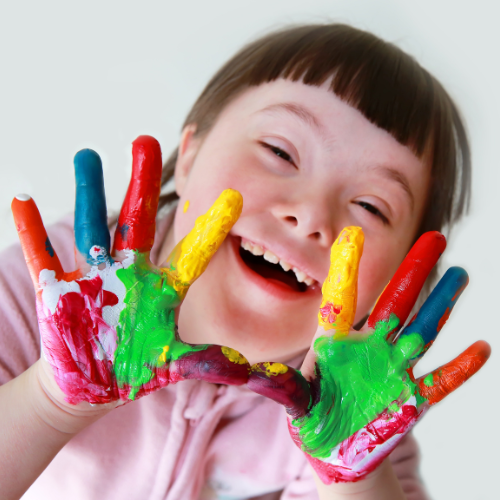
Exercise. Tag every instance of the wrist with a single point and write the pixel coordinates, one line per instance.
(49, 405)
(380, 484)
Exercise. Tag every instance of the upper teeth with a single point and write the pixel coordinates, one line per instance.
(302, 277)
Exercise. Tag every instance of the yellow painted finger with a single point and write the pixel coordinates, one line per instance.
(340, 289)
(192, 254)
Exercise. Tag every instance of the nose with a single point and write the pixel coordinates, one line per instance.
(310, 221)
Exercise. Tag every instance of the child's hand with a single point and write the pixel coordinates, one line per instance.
(108, 329)
(356, 397)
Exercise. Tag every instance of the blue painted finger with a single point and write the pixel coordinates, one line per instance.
(91, 229)
(437, 308)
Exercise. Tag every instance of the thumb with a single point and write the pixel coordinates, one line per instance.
(282, 384)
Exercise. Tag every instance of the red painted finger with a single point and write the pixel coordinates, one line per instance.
(136, 224)
(402, 291)
(38, 251)
(438, 384)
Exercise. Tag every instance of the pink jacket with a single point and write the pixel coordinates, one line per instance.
(192, 440)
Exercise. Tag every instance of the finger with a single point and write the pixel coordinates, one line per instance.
(340, 289)
(38, 251)
(91, 224)
(436, 310)
(282, 384)
(192, 254)
(438, 384)
(136, 224)
(399, 296)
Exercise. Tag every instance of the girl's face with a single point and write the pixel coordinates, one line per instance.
(307, 165)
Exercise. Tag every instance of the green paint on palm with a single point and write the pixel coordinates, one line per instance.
(360, 378)
(429, 380)
(146, 330)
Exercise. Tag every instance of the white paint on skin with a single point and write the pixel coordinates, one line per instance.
(97, 252)
(358, 460)
(53, 290)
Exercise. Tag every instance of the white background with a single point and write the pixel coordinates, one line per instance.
(98, 74)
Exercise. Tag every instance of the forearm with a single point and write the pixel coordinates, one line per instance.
(381, 484)
(34, 429)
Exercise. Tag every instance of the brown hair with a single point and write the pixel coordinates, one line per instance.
(377, 78)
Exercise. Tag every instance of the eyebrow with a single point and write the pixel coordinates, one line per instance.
(307, 117)
(400, 178)
(295, 109)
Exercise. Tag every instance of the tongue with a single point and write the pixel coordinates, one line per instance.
(274, 273)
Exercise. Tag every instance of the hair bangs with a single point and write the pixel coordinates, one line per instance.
(375, 77)
(386, 85)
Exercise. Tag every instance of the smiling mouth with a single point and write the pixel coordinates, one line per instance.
(270, 267)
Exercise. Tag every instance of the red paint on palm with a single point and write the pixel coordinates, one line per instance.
(402, 291)
(362, 452)
(161, 378)
(136, 224)
(452, 375)
(72, 347)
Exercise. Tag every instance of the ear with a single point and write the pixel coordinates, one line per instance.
(188, 149)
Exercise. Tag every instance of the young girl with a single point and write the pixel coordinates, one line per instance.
(320, 128)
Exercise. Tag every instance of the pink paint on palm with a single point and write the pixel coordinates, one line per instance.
(366, 449)
(74, 339)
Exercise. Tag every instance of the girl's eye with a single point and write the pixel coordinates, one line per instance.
(278, 152)
(373, 210)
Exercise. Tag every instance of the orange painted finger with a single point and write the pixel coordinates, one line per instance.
(37, 249)
(438, 384)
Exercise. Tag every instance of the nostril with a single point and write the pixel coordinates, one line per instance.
(291, 219)
(315, 236)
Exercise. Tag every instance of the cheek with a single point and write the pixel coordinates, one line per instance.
(375, 272)
(199, 194)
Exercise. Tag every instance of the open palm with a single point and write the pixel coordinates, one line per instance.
(355, 397)
(108, 329)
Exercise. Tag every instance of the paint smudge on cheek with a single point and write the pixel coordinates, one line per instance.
(186, 206)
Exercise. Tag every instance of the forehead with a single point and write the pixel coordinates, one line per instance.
(318, 120)
(339, 125)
